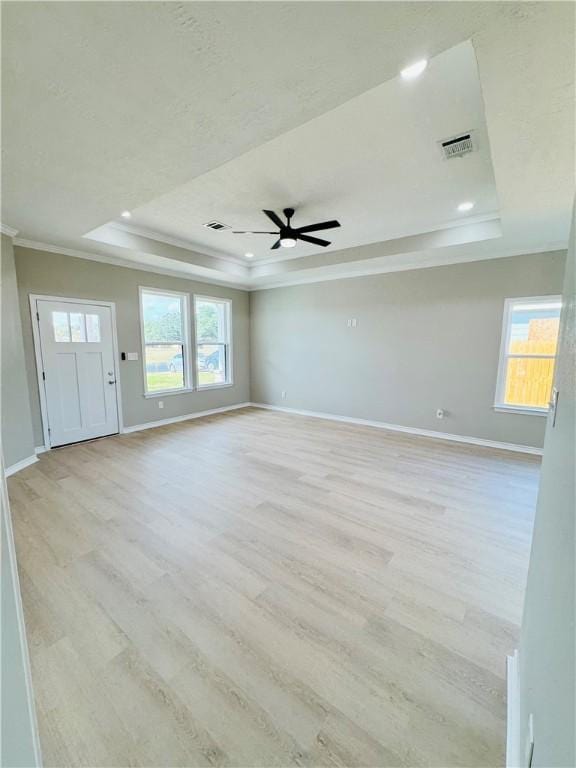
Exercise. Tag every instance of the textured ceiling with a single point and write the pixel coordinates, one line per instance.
(373, 163)
(107, 106)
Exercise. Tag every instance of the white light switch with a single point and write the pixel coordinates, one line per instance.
(132, 355)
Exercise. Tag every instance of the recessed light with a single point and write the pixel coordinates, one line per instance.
(467, 206)
(249, 255)
(414, 70)
(126, 214)
(287, 242)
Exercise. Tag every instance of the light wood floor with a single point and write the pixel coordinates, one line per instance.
(259, 589)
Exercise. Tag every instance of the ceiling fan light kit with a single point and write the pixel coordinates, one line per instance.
(289, 235)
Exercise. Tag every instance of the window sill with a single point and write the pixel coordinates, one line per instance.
(215, 386)
(164, 392)
(521, 410)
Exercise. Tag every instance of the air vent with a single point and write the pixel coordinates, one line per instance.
(457, 146)
(216, 225)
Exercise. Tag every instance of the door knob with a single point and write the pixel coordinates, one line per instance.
(112, 382)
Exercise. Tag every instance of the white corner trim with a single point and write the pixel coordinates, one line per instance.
(6, 230)
(186, 417)
(408, 430)
(40, 449)
(13, 468)
(513, 712)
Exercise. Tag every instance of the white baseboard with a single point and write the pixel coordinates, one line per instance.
(513, 712)
(40, 449)
(408, 430)
(13, 468)
(186, 417)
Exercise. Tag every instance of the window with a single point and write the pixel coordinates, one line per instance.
(213, 360)
(75, 327)
(166, 358)
(528, 353)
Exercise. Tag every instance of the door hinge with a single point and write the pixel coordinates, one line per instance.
(38, 316)
(43, 376)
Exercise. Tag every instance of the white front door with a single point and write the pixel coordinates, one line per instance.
(78, 370)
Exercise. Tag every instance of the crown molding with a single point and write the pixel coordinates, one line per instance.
(116, 261)
(6, 230)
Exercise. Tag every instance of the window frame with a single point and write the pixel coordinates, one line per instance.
(228, 350)
(499, 401)
(186, 345)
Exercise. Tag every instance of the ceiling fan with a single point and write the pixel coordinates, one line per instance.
(288, 235)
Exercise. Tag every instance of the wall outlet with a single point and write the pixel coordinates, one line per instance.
(283, 394)
(440, 413)
(354, 322)
(160, 403)
(351, 322)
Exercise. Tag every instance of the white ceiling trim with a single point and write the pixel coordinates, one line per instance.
(6, 230)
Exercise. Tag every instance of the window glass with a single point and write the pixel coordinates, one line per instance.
(529, 381)
(164, 367)
(210, 320)
(531, 329)
(212, 317)
(165, 341)
(77, 329)
(162, 318)
(534, 330)
(211, 364)
(93, 328)
(60, 326)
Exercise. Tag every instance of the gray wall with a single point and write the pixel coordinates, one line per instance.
(57, 275)
(17, 439)
(548, 642)
(425, 339)
(20, 747)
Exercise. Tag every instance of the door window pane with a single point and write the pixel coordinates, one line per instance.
(77, 330)
(93, 328)
(164, 367)
(60, 326)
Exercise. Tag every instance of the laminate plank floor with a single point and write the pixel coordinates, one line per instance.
(264, 589)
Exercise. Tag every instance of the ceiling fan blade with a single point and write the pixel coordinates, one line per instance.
(318, 227)
(315, 240)
(276, 219)
(276, 245)
(252, 232)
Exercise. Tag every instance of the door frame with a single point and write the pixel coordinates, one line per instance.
(34, 298)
